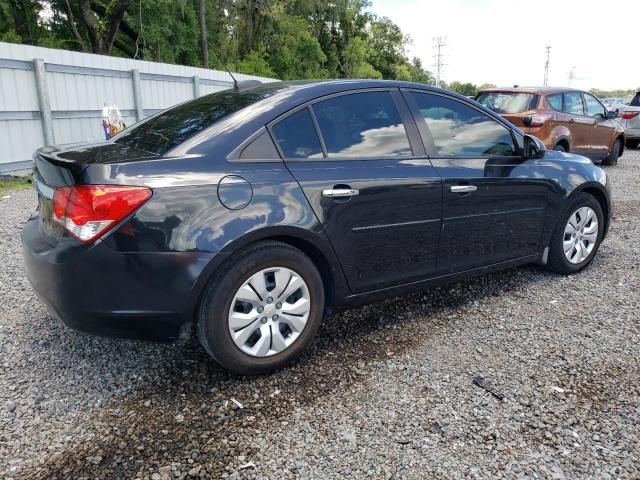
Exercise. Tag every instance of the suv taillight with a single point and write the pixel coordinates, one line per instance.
(88, 211)
(629, 115)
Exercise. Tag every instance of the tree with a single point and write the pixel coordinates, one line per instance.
(102, 32)
(354, 60)
(204, 43)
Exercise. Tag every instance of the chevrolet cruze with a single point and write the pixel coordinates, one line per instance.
(255, 212)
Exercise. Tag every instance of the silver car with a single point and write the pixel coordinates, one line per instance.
(630, 119)
(614, 104)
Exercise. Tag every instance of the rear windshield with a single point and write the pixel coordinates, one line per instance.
(507, 102)
(636, 100)
(169, 129)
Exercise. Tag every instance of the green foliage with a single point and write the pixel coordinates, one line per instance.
(287, 39)
(255, 63)
(614, 93)
(8, 184)
(467, 89)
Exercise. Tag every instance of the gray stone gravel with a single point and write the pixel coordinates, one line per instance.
(385, 392)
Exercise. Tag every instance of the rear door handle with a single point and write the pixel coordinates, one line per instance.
(340, 192)
(463, 188)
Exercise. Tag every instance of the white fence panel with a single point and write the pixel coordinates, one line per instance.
(75, 87)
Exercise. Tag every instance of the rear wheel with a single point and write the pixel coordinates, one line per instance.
(577, 235)
(612, 158)
(262, 309)
(633, 143)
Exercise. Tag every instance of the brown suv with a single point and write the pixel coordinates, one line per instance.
(564, 119)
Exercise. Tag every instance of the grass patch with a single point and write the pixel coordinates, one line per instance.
(8, 184)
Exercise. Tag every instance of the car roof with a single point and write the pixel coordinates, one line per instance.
(322, 87)
(536, 90)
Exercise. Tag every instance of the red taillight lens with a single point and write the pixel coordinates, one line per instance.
(89, 211)
(629, 115)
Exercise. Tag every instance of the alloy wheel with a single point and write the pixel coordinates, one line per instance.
(269, 311)
(580, 235)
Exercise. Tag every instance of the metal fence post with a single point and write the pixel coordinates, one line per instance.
(137, 93)
(43, 101)
(196, 86)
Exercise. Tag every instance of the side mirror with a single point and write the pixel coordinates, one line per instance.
(611, 115)
(533, 148)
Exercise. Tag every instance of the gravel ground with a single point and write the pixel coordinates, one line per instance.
(386, 391)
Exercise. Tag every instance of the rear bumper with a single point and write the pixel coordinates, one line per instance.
(98, 290)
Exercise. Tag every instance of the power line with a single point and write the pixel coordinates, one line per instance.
(439, 44)
(546, 66)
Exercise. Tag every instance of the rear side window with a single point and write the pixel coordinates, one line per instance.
(461, 131)
(169, 129)
(297, 137)
(573, 103)
(507, 102)
(635, 102)
(555, 101)
(362, 125)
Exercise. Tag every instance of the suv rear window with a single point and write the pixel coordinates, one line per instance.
(636, 100)
(172, 127)
(508, 102)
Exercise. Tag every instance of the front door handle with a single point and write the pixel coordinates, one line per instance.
(463, 188)
(340, 192)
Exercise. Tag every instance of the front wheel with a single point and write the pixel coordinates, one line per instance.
(577, 235)
(560, 147)
(261, 309)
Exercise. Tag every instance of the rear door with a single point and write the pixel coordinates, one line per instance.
(359, 159)
(494, 201)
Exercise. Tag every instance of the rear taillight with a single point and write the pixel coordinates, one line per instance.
(534, 121)
(89, 211)
(629, 115)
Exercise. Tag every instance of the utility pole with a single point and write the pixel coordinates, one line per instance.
(439, 43)
(546, 66)
(572, 76)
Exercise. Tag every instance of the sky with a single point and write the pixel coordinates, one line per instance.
(503, 41)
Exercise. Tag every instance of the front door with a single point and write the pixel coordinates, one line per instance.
(494, 201)
(602, 130)
(373, 190)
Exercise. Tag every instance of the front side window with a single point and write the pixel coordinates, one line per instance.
(573, 103)
(593, 106)
(297, 136)
(555, 101)
(459, 130)
(362, 125)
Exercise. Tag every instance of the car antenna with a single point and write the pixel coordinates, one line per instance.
(235, 82)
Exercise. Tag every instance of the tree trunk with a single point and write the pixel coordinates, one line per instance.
(204, 44)
(103, 44)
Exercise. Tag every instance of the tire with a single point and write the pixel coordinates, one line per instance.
(559, 147)
(612, 159)
(558, 261)
(283, 265)
(633, 143)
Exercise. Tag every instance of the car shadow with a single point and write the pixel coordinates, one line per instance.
(150, 388)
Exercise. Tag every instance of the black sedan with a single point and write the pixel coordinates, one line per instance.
(254, 212)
